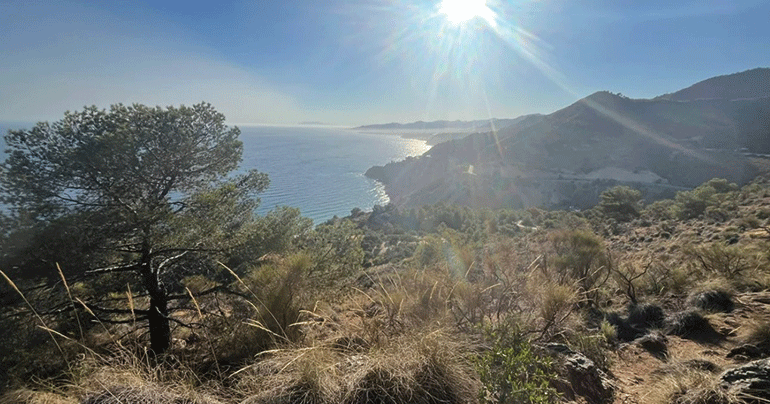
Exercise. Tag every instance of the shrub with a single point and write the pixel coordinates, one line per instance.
(646, 316)
(685, 385)
(511, 372)
(691, 325)
(422, 368)
(609, 332)
(620, 203)
(713, 300)
(717, 258)
(581, 257)
(692, 204)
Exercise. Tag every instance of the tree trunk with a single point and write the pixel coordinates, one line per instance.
(160, 329)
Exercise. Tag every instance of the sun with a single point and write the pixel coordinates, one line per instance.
(459, 11)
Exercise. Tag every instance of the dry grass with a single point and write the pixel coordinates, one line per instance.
(685, 385)
(418, 368)
(123, 378)
(30, 396)
(758, 332)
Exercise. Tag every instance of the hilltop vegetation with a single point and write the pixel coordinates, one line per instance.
(136, 270)
(437, 304)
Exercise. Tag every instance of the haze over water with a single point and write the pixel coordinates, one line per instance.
(321, 170)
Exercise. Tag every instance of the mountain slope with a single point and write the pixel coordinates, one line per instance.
(753, 83)
(662, 144)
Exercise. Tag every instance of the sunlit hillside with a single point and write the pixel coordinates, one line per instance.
(384, 201)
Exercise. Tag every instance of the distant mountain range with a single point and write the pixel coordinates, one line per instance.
(478, 125)
(719, 127)
(441, 131)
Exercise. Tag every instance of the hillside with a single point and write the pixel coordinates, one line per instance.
(436, 305)
(754, 83)
(660, 144)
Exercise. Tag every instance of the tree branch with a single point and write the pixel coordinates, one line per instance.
(114, 268)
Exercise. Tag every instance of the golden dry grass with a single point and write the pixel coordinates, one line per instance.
(417, 368)
(685, 385)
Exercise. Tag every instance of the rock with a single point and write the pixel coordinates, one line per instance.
(713, 300)
(582, 375)
(750, 381)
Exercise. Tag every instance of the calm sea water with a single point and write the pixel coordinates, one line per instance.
(319, 170)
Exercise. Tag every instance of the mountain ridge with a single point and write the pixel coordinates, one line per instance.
(563, 156)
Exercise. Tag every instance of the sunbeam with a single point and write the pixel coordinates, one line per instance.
(459, 11)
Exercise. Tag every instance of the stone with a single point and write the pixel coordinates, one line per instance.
(583, 377)
(750, 382)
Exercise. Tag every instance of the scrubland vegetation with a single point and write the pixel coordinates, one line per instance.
(440, 304)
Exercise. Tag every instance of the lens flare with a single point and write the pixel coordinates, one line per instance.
(458, 11)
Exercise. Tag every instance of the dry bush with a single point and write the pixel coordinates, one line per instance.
(122, 378)
(608, 332)
(472, 303)
(663, 278)
(414, 299)
(274, 295)
(758, 332)
(31, 396)
(580, 257)
(420, 298)
(727, 261)
(553, 303)
(415, 368)
(685, 385)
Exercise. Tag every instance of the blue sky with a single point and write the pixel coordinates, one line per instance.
(356, 62)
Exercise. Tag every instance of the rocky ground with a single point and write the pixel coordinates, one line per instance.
(645, 372)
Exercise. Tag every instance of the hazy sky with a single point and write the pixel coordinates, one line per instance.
(364, 61)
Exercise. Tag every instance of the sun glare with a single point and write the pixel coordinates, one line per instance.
(458, 11)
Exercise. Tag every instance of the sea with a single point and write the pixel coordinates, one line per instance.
(318, 169)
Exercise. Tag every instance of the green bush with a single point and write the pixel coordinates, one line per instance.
(620, 203)
(717, 258)
(511, 372)
(693, 204)
(581, 257)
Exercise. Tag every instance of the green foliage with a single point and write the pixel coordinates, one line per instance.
(664, 209)
(334, 249)
(277, 232)
(511, 372)
(692, 204)
(581, 257)
(727, 261)
(620, 203)
(431, 250)
(132, 188)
